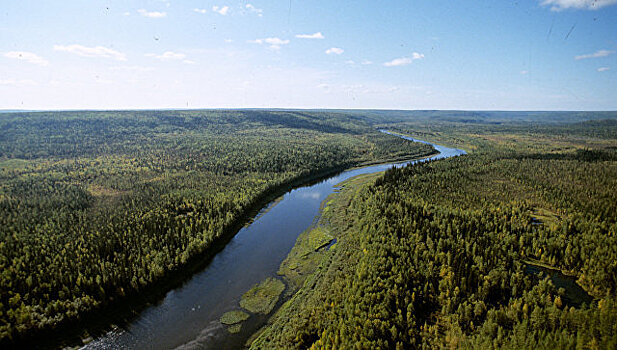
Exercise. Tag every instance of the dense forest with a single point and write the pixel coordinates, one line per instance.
(442, 254)
(96, 206)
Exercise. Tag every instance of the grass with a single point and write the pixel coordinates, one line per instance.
(233, 317)
(263, 297)
(545, 216)
(235, 328)
(305, 255)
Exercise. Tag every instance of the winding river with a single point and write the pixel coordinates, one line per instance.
(188, 316)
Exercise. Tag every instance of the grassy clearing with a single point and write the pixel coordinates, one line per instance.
(233, 317)
(262, 297)
(546, 216)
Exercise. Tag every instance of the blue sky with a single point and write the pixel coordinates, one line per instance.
(475, 54)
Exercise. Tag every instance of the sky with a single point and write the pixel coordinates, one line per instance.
(467, 54)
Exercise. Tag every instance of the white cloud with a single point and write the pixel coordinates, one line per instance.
(253, 9)
(168, 56)
(558, 5)
(126, 14)
(599, 53)
(275, 43)
(200, 10)
(132, 68)
(366, 62)
(100, 80)
(152, 14)
(403, 61)
(317, 35)
(604, 69)
(335, 51)
(97, 51)
(20, 82)
(27, 56)
(350, 62)
(188, 62)
(220, 10)
(524, 72)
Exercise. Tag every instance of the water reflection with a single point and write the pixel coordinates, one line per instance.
(573, 294)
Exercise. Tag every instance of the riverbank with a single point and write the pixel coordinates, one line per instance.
(314, 256)
(309, 263)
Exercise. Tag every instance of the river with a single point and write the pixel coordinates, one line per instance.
(188, 316)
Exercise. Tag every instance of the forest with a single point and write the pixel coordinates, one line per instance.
(441, 254)
(97, 206)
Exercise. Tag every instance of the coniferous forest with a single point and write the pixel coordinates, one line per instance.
(97, 206)
(356, 175)
(513, 246)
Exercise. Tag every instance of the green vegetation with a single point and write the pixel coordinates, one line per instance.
(97, 206)
(263, 296)
(233, 317)
(236, 328)
(305, 255)
(434, 255)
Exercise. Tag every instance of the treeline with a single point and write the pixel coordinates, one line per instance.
(95, 206)
(435, 255)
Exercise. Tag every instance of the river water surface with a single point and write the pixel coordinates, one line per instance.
(188, 316)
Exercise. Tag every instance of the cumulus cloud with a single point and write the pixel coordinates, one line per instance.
(221, 10)
(27, 56)
(599, 53)
(255, 10)
(96, 51)
(558, 5)
(151, 14)
(275, 43)
(604, 69)
(334, 51)
(168, 56)
(199, 10)
(403, 61)
(317, 35)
